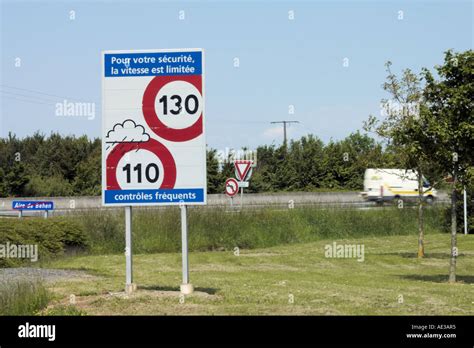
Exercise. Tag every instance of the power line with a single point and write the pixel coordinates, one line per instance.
(27, 100)
(284, 128)
(42, 93)
(38, 99)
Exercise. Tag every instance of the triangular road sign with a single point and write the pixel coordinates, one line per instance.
(242, 168)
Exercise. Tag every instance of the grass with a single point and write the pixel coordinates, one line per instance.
(281, 267)
(263, 281)
(158, 230)
(22, 297)
(63, 310)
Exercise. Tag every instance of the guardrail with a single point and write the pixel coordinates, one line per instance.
(283, 200)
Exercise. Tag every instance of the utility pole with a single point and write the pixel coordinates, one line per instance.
(284, 128)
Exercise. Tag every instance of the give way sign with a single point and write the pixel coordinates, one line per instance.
(243, 169)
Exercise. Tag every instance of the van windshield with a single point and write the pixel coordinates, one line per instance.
(426, 183)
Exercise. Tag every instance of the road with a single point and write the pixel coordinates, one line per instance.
(65, 205)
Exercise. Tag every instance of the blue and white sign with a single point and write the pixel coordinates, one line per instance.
(153, 143)
(32, 205)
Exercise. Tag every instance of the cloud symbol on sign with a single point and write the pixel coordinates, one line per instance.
(127, 132)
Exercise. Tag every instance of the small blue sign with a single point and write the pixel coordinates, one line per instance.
(32, 205)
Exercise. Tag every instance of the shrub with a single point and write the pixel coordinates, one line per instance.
(53, 186)
(51, 235)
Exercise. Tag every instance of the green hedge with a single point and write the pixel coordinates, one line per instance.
(52, 236)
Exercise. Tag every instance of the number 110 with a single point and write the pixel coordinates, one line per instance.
(138, 169)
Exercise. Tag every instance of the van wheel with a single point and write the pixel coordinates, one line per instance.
(429, 199)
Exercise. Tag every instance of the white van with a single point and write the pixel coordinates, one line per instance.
(393, 184)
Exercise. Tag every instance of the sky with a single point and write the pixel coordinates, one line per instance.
(324, 60)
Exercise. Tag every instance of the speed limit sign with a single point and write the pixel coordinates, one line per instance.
(153, 145)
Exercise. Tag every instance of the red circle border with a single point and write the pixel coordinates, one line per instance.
(151, 145)
(231, 180)
(152, 119)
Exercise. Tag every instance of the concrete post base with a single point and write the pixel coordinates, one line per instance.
(129, 288)
(187, 289)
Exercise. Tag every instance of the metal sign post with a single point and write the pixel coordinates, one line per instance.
(186, 288)
(155, 155)
(465, 210)
(129, 285)
(243, 172)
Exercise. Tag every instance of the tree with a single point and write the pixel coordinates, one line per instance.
(311, 163)
(3, 191)
(263, 175)
(405, 128)
(348, 159)
(213, 178)
(87, 180)
(450, 104)
(64, 165)
(16, 180)
(50, 186)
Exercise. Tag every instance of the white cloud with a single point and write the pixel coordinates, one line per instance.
(273, 132)
(127, 132)
(276, 133)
